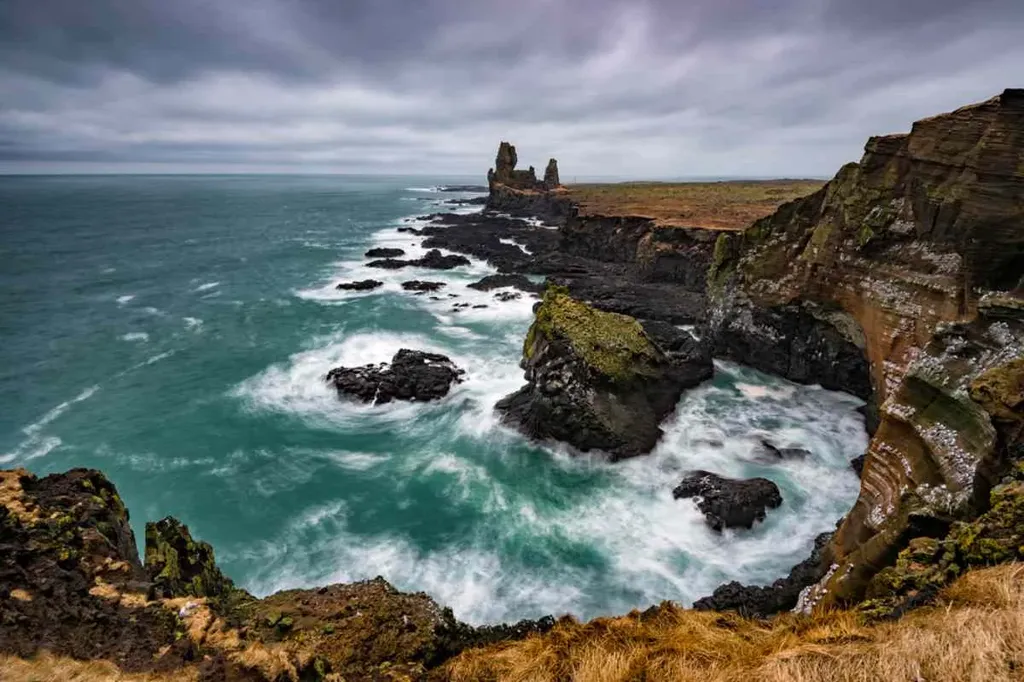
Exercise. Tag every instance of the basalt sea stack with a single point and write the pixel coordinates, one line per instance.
(597, 380)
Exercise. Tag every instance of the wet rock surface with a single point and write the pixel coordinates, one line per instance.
(381, 252)
(727, 502)
(597, 381)
(420, 285)
(781, 595)
(361, 285)
(520, 282)
(411, 375)
(433, 259)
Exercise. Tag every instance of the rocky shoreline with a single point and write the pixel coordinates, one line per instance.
(901, 281)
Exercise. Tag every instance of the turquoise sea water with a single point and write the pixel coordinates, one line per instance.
(172, 331)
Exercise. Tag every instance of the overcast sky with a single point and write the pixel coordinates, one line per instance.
(662, 88)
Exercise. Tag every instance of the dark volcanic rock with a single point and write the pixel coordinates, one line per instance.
(361, 285)
(410, 230)
(730, 503)
(412, 375)
(390, 264)
(782, 595)
(596, 380)
(381, 252)
(506, 296)
(521, 282)
(419, 285)
(857, 464)
(433, 259)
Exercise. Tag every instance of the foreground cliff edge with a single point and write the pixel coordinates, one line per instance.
(901, 281)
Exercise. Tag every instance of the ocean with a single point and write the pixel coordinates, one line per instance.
(173, 331)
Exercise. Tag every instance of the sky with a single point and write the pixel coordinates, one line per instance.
(631, 88)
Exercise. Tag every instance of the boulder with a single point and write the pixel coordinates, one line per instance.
(727, 502)
(596, 380)
(361, 285)
(434, 259)
(412, 375)
(419, 285)
(381, 252)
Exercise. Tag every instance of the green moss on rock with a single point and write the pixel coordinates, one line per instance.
(180, 566)
(612, 345)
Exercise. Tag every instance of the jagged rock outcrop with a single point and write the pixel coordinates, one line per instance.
(433, 259)
(597, 380)
(914, 260)
(412, 375)
(72, 585)
(727, 502)
(384, 252)
(178, 566)
(519, 193)
(551, 180)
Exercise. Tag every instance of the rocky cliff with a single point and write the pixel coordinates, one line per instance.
(72, 585)
(902, 281)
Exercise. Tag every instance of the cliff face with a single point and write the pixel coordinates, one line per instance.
(72, 585)
(912, 264)
(656, 254)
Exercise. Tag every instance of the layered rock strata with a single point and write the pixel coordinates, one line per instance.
(900, 281)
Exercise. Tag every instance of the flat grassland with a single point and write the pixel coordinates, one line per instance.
(729, 205)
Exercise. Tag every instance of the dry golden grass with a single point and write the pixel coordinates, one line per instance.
(47, 668)
(711, 205)
(975, 633)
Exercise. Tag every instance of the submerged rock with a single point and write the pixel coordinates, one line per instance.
(412, 375)
(381, 252)
(773, 453)
(420, 285)
(727, 502)
(596, 380)
(361, 285)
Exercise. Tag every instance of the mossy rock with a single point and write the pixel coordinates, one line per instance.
(612, 345)
(1000, 391)
(180, 566)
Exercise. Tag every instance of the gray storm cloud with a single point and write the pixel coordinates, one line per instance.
(640, 89)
